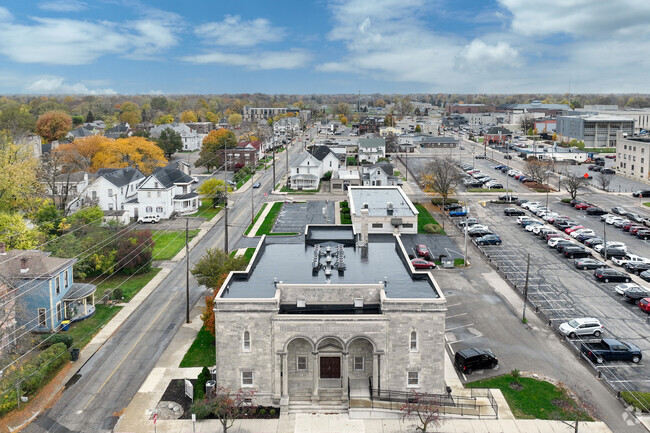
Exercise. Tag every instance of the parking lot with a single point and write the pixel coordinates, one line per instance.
(295, 216)
(559, 292)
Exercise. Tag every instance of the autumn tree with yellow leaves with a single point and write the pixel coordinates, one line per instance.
(129, 152)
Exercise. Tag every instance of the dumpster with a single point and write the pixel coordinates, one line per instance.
(65, 325)
(447, 262)
(74, 354)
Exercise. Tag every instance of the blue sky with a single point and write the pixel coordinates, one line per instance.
(324, 46)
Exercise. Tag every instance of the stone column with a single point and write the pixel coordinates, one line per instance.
(316, 367)
(284, 361)
(375, 370)
(344, 375)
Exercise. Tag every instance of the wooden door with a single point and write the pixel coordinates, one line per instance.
(330, 367)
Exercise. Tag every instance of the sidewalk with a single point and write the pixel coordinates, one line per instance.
(260, 219)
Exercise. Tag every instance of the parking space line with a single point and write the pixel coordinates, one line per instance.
(464, 339)
(453, 305)
(458, 327)
(456, 315)
(626, 365)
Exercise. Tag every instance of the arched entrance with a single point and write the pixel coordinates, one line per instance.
(300, 367)
(330, 352)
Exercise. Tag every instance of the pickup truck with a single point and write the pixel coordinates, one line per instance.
(609, 349)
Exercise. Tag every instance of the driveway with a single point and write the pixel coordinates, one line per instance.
(293, 217)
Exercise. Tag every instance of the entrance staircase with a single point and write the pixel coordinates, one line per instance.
(330, 401)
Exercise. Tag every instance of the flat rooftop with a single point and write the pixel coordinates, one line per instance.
(378, 198)
(292, 264)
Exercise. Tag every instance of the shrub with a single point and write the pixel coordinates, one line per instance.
(433, 228)
(566, 200)
(199, 386)
(344, 205)
(201, 408)
(51, 340)
(117, 294)
(515, 373)
(438, 201)
(272, 412)
(262, 412)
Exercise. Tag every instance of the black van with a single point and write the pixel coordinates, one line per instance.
(472, 359)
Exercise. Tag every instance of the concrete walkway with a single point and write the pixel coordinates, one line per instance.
(260, 219)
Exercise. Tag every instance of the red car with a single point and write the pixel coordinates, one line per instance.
(572, 229)
(422, 264)
(610, 156)
(644, 304)
(422, 251)
(635, 229)
(627, 226)
(583, 206)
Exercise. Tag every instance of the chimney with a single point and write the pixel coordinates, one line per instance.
(3, 248)
(23, 265)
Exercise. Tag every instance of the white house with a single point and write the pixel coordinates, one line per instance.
(306, 174)
(191, 139)
(371, 149)
(164, 192)
(380, 174)
(286, 128)
(71, 188)
(114, 187)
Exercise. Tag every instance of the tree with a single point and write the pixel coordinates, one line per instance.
(170, 142)
(130, 113)
(62, 186)
(17, 120)
(423, 409)
(213, 189)
(418, 128)
(554, 138)
(226, 406)
(211, 270)
(404, 106)
(159, 103)
(343, 119)
(78, 155)
(53, 125)
(234, 119)
(211, 154)
(526, 123)
(604, 180)
(134, 252)
(164, 119)
(90, 118)
(441, 176)
(342, 108)
(389, 120)
(15, 232)
(18, 181)
(537, 169)
(572, 182)
(129, 152)
(189, 116)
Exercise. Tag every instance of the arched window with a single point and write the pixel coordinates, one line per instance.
(247, 341)
(414, 341)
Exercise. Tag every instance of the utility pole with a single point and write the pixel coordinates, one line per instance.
(605, 239)
(523, 319)
(406, 158)
(252, 201)
(187, 273)
(225, 201)
(465, 228)
(273, 147)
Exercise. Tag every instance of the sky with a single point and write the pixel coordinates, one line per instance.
(324, 46)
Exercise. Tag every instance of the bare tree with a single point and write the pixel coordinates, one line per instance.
(392, 145)
(441, 176)
(604, 179)
(64, 186)
(423, 409)
(572, 182)
(526, 123)
(537, 169)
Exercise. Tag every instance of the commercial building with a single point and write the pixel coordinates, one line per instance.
(254, 114)
(641, 116)
(633, 156)
(468, 108)
(596, 130)
(385, 210)
(305, 322)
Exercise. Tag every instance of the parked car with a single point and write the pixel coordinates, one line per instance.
(575, 252)
(608, 274)
(634, 217)
(507, 197)
(582, 206)
(635, 294)
(422, 251)
(422, 264)
(472, 359)
(468, 222)
(553, 243)
(257, 185)
(645, 275)
(521, 202)
(452, 206)
(149, 219)
(489, 240)
(643, 234)
(636, 268)
(591, 243)
(560, 246)
(612, 252)
(629, 258)
(608, 171)
(609, 349)
(622, 288)
(611, 244)
(510, 211)
(458, 213)
(479, 233)
(581, 326)
(584, 237)
(594, 210)
(619, 210)
(521, 219)
(644, 304)
(588, 263)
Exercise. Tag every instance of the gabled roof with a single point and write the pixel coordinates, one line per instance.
(39, 264)
(304, 158)
(320, 152)
(121, 176)
(169, 176)
(72, 178)
(386, 167)
(498, 130)
(372, 142)
(82, 132)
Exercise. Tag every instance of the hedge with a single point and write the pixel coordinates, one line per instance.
(438, 201)
(199, 386)
(34, 374)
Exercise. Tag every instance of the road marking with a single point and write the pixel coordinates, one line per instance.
(464, 339)
(453, 305)
(458, 327)
(129, 352)
(620, 365)
(456, 315)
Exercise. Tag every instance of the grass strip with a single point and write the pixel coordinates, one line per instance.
(425, 218)
(201, 353)
(250, 227)
(168, 244)
(267, 225)
(206, 210)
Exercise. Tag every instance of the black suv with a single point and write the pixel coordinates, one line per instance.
(472, 359)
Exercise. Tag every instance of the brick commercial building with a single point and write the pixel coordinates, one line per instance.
(306, 321)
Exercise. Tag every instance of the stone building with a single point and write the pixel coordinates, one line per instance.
(306, 322)
(633, 156)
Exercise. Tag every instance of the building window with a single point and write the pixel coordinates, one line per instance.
(41, 317)
(57, 285)
(159, 194)
(413, 380)
(246, 378)
(149, 209)
(413, 341)
(301, 363)
(358, 363)
(159, 209)
(65, 279)
(110, 206)
(110, 192)
(377, 225)
(148, 194)
(407, 225)
(247, 342)
(58, 312)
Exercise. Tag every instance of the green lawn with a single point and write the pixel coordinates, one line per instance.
(129, 284)
(424, 218)
(82, 332)
(530, 398)
(168, 244)
(600, 149)
(249, 254)
(267, 225)
(255, 219)
(647, 204)
(206, 210)
(344, 213)
(300, 191)
(640, 400)
(201, 353)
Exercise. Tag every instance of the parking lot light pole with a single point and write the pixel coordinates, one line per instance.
(465, 228)
(523, 318)
(605, 238)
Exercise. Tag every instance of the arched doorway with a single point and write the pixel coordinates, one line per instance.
(330, 366)
(300, 368)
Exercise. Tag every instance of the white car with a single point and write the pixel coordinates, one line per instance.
(477, 228)
(530, 227)
(581, 326)
(530, 204)
(611, 220)
(550, 215)
(541, 211)
(523, 218)
(604, 217)
(537, 227)
(622, 288)
(629, 258)
(579, 232)
(611, 244)
(553, 241)
(149, 219)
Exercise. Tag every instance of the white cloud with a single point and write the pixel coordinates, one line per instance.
(5, 15)
(56, 85)
(478, 54)
(291, 59)
(235, 32)
(65, 41)
(62, 5)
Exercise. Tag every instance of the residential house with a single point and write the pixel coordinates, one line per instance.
(497, 134)
(344, 178)
(306, 174)
(46, 293)
(70, 188)
(285, 129)
(120, 130)
(165, 192)
(242, 155)
(370, 125)
(114, 187)
(81, 132)
(99, 125)
(201, 128)
(435, 141)
(380, 174)
(191, 139)
(371, 149)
